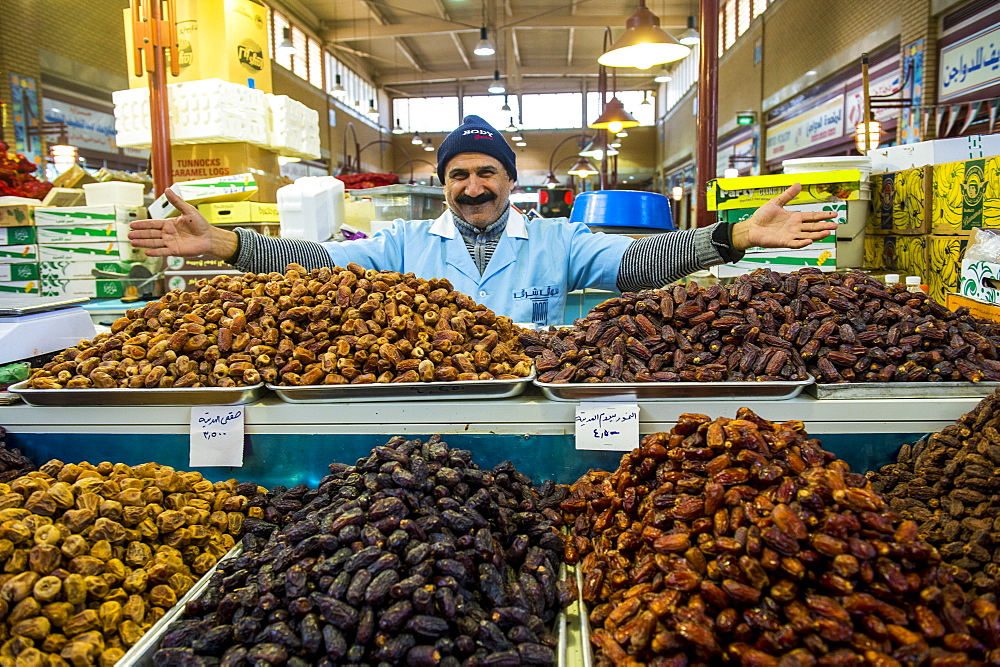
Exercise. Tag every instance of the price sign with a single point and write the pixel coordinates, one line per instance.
(217, 435)
(609, 427)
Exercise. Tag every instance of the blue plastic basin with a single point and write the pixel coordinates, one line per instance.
(622, 208)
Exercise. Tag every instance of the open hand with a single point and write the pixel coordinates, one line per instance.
(772, 226)
(186, 235)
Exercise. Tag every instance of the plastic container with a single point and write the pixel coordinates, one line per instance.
(114, 192)
(623, 209)
(311, 208)
(406, 202)
(891, 279)
(914, 284)
(834, 163)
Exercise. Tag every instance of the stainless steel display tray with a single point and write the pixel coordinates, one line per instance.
(25, 305)
(674, 391)
(141, 653)
(148, 397)
(402, 391)
(903, 390)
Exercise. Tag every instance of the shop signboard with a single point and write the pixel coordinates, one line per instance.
(884, 85)
(85, 128)
(817, 125)
(970, 65)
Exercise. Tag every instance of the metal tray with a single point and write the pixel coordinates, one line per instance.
(903, 390)
(25, 305)
(674, 391)
(147, 397)
(402, 391)
(141, 653)
(586, 649)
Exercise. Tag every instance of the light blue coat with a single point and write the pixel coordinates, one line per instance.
(535, 264)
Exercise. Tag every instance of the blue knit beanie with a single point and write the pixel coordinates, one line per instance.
(475, 135)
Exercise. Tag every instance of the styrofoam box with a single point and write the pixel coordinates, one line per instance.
(936, 151)
(201, 112)
(114, 192)
(293, 128)
(311, 208)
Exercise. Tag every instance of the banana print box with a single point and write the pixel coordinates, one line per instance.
(945, 257)
(902, 254)
(966, 195)
(899, 202)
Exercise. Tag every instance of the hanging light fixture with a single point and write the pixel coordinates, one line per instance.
(583, 168)
(551, 181)
(517, 136)
(398, 129)
(663, 76)
(615, 144)
(416, 140)
(285, 46)
(506, 106)
(372, 111)
(496, 87)
(484, 47)
(338, 89)
(677, 193)
(868, 136)
(644, 43)
(511, 127)
(615, 118)
(521, 143)
(622, 134)
(598, 149)
(690, 37)
(645, 98)
(428, 145)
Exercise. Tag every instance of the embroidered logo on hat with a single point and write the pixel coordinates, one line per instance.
(466, 138)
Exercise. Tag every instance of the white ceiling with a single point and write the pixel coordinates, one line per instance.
(424, 47)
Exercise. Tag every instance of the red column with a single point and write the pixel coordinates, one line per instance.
(708, 107)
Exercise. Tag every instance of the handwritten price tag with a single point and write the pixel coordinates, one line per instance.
(216, 435)
(609, 427)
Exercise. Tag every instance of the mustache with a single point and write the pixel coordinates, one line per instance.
(483, 198)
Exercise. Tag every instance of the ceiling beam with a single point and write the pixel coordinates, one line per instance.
(554, 72)
(569, 47)
(461, 50)
(514, 46)
(380, 18)
(344, 33)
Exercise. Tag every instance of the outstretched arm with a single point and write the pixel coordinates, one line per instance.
(772, 226)
(186, 235)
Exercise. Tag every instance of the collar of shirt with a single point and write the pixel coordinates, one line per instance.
(445, 225)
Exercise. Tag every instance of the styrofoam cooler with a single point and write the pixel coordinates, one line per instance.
(857, 209)
(201, 112)
(311, 208)
(114, 192)
(293, 128)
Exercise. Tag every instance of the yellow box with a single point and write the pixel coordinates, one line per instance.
(906, 255)
(222, 213)
(966, 195)
(754, 191)
(199, 161)
(899, 202)
(219, 39)
(985, 311)
(945, 264)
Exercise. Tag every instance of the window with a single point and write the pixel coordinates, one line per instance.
(552, 111)
(300, 59)
(685, 73)
(279, 23)
(315, 64)
(427, 114)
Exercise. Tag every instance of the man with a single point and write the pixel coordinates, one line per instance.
(517, 267)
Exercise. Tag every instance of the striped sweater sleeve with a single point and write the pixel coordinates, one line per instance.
(655, 261)
(264, 254)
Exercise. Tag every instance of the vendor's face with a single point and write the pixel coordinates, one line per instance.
(477, 188)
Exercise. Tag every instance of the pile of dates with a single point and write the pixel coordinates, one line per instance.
(320, 327)
(770, 326)
(92, 556)
(13, 463)
(741, 541)
(949, 483)
(412, 556)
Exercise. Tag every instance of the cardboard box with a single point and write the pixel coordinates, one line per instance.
(112, 251)
(200, 161)
(75, 176)
(93, 288)
(900, 202)
(188, 281)
(906, 255)
(850, 221)
(19, 271)
(755, 191)
(980, 280)
(936, 151)
(66, 197)
(88, 215)
(224, 39)
(985, 311)
(945, 260)
(821, 254)
(20, 287)
(74, 270)
(239, 212)
(115, 231)
(17, 235)
(16, 215)
(966, 195)
(238, 187)
(11, 254)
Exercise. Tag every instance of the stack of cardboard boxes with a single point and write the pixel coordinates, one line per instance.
(926, 200)
(18, 250)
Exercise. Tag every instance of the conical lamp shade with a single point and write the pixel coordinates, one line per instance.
(615, 118)
(583, 168)
(643, 44)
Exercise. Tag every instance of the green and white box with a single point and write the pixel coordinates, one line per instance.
(93, 288)
(113, 231)
(17, 235)
(19, 271)
(11, 254)
(112, 251)
(20, 287)
(72, 270)
(88, 215)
